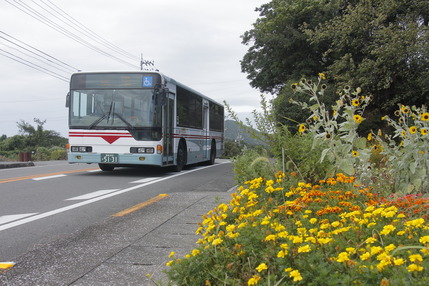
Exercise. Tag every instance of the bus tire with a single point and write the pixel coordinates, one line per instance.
(105, 167)
(180, 157)
(212, 153)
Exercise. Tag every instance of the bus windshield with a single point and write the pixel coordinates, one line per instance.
(128, 109)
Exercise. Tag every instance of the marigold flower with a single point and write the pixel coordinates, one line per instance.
(415, 258)
(398, 261)
(365, 256)
(414, 267)
(195, 252)
(217, 241)
(303, 249)
(254, 280)
(343, 257)
(295, 275)
(262, 267)
(171, 254)
(424, 239)
(387, 229)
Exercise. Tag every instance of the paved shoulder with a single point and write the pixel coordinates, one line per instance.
(121, 250)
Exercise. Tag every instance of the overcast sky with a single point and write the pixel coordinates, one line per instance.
(196, 42)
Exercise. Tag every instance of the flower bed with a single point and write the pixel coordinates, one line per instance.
(283, 232)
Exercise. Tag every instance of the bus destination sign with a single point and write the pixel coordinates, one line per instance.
(114, 80)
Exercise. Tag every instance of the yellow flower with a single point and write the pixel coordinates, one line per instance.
(355, 153)
(295, 275)
(398, 261)
(262, 267)
(343, 257)
(405, 109)
(414, 267)
(270, 237)
(357, 118)
(355, 102)
(171, 254)
(254, 280)
(424, 239)
(322, 75)
(415, 258)
(301, 128)
(195, 252)
(324, 240)
(281, 254)
(423, 131)
(413, 129)
(387, 229)
(424, 116)
(169, 263)
(313, 220)
(376, 250)
(369, 137)
(305, 248)
(217, 241)
(365, 256)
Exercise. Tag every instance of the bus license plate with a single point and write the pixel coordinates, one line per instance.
(109, 158)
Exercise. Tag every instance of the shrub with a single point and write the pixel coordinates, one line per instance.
(282, 232)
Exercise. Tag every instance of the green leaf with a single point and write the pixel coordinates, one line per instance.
(346, 165)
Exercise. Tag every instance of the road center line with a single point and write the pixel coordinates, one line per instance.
(63, 209)
(8, 180)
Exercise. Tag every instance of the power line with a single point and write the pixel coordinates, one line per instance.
(32, 65)
(27, 9)
(86, 30)
(29, 50)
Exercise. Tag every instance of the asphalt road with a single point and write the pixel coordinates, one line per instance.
(52, 200)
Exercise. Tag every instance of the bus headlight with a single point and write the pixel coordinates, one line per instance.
(142, 150)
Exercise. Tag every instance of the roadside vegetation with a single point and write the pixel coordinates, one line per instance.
(42, 144)
(340, 196)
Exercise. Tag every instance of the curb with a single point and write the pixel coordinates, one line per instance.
(7, 165)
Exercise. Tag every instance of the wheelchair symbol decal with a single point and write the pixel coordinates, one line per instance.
(147, 81)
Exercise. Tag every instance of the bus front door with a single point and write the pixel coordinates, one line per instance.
(168, 134)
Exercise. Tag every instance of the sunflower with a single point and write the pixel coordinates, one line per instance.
(322, 75)
(405, 109)
(423, 131)
(357, 118)
(355, 153)
(413, 129)
(301, 128)
(355, 102)
(424, 116)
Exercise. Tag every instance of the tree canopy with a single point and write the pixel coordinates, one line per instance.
(378, 45)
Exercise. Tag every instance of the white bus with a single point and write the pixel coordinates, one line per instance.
(121, 119)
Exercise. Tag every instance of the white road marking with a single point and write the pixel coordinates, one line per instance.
(145, 180)
(8, 218)
(91, 195)
(90, 201)
(49, 177)
(93, 171)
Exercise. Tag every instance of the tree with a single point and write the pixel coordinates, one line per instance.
(279, 50)
(378, 45)
(38, 136)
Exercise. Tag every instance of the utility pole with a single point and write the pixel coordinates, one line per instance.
(146, 65)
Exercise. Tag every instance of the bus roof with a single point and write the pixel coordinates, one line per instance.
(163, 76)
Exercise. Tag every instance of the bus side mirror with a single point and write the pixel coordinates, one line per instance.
(68, 100)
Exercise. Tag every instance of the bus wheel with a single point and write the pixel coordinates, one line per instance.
(105, 167)
(181, 157)
(212, 153)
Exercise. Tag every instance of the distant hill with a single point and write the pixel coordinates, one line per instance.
(234, 132)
